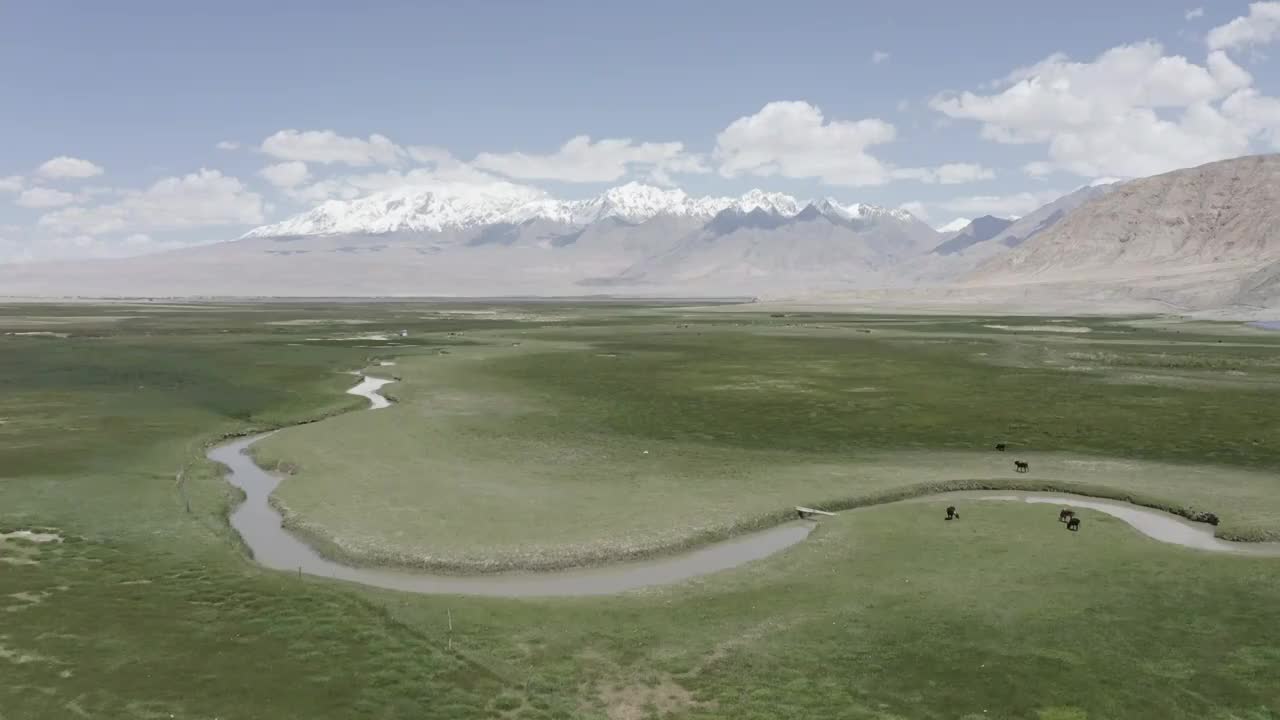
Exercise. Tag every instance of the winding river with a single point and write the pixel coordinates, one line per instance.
(260, 525)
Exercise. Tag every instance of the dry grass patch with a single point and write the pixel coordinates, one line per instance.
(662, 698)
(20, 657)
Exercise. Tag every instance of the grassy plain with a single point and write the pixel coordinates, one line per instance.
(148, 611)
(567, 445)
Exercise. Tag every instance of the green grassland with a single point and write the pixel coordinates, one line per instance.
(146, 610)
(565, 446)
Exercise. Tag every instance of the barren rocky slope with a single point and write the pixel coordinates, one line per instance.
(1224, 213)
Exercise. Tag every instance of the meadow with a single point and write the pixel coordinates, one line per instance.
(623, 441)
(148, 609)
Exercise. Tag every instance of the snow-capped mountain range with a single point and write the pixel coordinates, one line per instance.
(1193, 238)
(452, 207)
(1196, 238)
(505, 239)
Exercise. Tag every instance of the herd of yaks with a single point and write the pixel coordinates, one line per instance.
(1065, 516)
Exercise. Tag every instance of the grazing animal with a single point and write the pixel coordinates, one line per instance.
(1021, 466)
(1066, 515)
(1000, 447)
(952, 514)
(1073, 524)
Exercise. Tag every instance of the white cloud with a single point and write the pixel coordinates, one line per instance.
(1259, 27)
(794, 140)
(1228, 74)
(286, 174)
(430, 155)
(11, 183)
(999, 205)
(327, 147)
(1038, 169)
(948, 174)
(1133, 111)
(684, 164)
(27, 250)
(85, 192)
(879, 56)
(228, 145)
(64, 167)
(57, 247)
(915, 207)
(955, 225)
(441, 168)
(328, 189)
(956, 173)
(1194, 13)
(39, 197)
(200, 199)
(582, 160)
(1256, 113)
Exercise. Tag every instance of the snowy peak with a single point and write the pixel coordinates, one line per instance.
(770, 202)
(413, 209)
(862, 211)
(857, 212)
(829, 208)
(450, 207)
(633, 203)
(978, 230)
(956, 225)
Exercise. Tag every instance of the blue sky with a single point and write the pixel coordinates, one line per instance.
(861, 101)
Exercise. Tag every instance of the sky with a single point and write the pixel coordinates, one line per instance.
(138, 126)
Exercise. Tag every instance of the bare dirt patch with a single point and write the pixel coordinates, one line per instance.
(318, 321)
(39, 333)
(749, 636)
(31, 535)
(26, 600)
(20, 559)
(499, 315)
(21, 547)
(18, 657)
(767, 384)
(37, 321)
(1042, 328)
(348, 338)
(634, 702)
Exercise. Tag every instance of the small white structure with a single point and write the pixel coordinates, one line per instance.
(404, 333)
